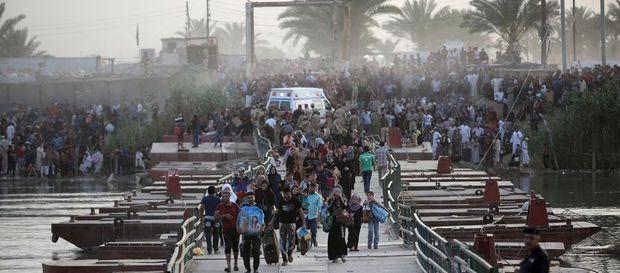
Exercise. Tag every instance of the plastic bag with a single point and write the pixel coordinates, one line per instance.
(379, 213)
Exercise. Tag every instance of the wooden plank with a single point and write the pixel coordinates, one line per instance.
(459, 192)
(464, 184)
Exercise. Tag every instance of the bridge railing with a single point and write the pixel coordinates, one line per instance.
(263, 149)
(263, 145)
(191, 232)
(190, 235)
(391, 187)
(468, 261)
(435, 254)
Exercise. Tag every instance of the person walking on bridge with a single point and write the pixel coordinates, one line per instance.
(367, 165)
(336, 244)
(382, 159)
(251, 242)
(289, 210)
(210, 203)
(227, 213)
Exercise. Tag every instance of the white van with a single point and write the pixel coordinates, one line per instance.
(307, 97)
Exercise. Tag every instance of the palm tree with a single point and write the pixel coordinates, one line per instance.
(614, 17)
(418, 22)
(14, 42)
(231, 38)
(587, 33)
(313, 25)
(428, 28)
(509, 19)
(385, 47)
(613, 11)
(198, 28)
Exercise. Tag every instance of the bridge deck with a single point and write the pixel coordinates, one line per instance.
(390, 257)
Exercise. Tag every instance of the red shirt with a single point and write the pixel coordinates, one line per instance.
(232, 209)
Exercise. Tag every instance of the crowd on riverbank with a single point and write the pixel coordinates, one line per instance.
(63, 141)
(460, 109)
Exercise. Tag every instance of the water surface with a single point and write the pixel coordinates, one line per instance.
(593, 198)
(27, 209)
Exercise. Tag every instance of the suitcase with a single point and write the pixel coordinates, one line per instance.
(444, 165)
(270, 247)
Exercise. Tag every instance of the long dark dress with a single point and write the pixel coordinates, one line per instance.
(274, 180)
(336, 244)
(345, 176)
(267, 200)
(354, 230)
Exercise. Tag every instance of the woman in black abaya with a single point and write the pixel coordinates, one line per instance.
(336, 244)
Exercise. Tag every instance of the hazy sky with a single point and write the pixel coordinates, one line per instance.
(108, 27)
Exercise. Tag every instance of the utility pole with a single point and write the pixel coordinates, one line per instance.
(574, 36)
(249, 39)
(207, 19)
(563, 18)
(346, 33)
(603, 33)
(188, 24)
(334, 33)
(543, 32)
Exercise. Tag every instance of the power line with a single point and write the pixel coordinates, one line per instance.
(104, 20)
(106, 27)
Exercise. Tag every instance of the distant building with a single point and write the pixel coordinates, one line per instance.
(173, 51)
(28, 69)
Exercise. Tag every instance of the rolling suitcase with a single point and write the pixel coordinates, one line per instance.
(270, 247)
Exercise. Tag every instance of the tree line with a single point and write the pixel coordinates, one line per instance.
(511, 26)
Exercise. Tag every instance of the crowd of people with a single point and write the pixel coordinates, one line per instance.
(63, 141)
(291, 205)
(465, 109)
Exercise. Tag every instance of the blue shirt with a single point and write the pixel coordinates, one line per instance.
(210, 202)
(240, 184)
(313, 204)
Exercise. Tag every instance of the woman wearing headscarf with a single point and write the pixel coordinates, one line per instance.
(330, 160)
(274, 178)
(265, 198)
(336, 244)
(355, 208)
(228, 188)
(346, 173)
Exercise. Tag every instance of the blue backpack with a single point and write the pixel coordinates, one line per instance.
(379, 213)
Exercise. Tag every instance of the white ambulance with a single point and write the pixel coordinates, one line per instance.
(308, 97)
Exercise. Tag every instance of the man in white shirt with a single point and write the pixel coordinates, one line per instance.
(472, 79)
(436, 85)
(478, 131)
(516, 139)
(435, 143)
(10, 133)
(497, 84)
(271, 122)
(465, 132)
(139, 164)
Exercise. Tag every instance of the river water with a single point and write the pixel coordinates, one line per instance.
(28, 207)
(595, 199)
